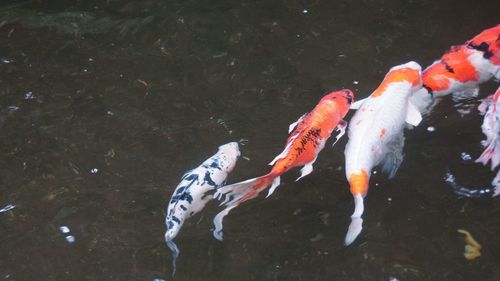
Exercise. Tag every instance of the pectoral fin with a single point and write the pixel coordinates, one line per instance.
(294, 124)
(413, 116)
(357, 105)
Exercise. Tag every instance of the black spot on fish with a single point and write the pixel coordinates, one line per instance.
(483, 47)
(215, 165)
(180, 189)
(429, 90)
(192, 177)
(208, 179)
(448, 67)
(175, 219)
(183, 208)
(170, 224)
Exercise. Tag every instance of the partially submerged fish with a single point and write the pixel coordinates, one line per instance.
(490, 107)
(308, 137)
(461, 69)
(191, 195)
(376, 134)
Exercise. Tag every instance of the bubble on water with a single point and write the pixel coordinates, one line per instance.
(7, 208)
(64, 229)
(12, 108)
(393, 278)
(431, 129)
(94, 170)
(465, 156)
(305, 11)
(159, 279)
(29, 96)
(6, 60)
(355, 82)
(70, 238)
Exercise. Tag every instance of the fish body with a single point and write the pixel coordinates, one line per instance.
(490, 107)
(376, 134)
(462, 68)
(308, 137)
(192, 193)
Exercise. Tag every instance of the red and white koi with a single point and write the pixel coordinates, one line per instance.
(462, 68)
(191, 194)
(376, 134)
(308, 137)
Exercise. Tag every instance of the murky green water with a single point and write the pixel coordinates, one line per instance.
(104, 105)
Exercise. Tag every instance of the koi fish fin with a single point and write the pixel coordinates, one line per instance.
(356, 105)
(175, 253)
(276, 183)
(341, 126)
(485, 103)
(393, 157)
(491, 152)
(218, 234)
(356, 224)
(294, 124)
(306, 170)
(413, 116)
(285, 151)
(422, 100)
(236, 194)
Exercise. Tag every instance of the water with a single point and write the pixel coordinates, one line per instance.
(105, 104)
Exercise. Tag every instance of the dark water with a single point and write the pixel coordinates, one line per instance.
(142, 91)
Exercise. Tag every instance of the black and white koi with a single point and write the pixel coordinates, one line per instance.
(192, 193)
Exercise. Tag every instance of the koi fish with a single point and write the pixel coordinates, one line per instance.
(308, 137)
(190, 195)
(376, 134)
(490, 107)
(462, 68)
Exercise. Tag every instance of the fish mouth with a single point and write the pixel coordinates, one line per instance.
(348, 94)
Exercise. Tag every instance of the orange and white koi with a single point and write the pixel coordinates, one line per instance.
(462, 68)
(376, 134)
(308, 137)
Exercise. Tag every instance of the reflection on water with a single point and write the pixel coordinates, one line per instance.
(86, 145)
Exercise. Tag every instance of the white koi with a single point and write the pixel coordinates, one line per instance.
(376, 134)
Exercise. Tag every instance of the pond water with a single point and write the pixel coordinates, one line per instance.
(105, 104)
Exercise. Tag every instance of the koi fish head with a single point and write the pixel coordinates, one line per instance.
(345, 94)
(229, 153)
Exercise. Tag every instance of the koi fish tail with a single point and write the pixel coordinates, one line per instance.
(491, 152)
(356, 224)
(236, 194)
(359, 188)
(175, 253)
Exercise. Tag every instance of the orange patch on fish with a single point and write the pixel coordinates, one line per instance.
(382, 132)
(453, 65)
(403, 74)
(359, 182)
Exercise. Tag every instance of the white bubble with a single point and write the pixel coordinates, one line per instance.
(355, 82)
(465, 156)
(70, 239)
(64, 229)
(305, 11)
(431, 129)
(94, 170)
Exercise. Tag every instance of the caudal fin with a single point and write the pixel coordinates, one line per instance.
(491, 152)
(356, 221)
(235, 195)
(175, 253)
